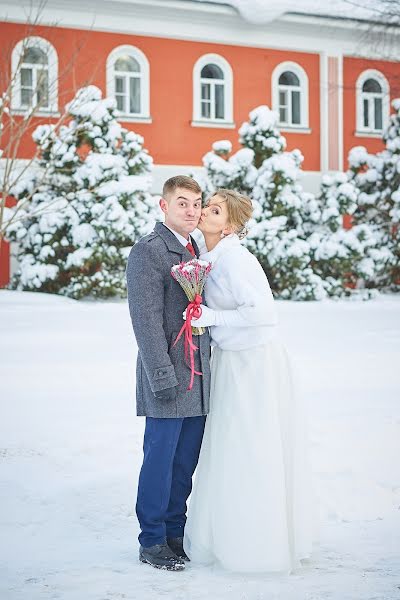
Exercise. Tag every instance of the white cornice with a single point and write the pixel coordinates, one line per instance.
(181, 5)
(334, 21)
(198, 21)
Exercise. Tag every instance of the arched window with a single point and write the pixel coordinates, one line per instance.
(128, 82)
(34, 66)
(290, 94)
(212, 91)
(372, 92)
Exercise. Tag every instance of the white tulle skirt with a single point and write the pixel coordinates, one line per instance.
(252, 505)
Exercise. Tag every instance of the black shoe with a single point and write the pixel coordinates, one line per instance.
(176, 545)
(161, 556)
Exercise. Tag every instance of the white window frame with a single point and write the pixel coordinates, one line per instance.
(16, 65)
(222, 63)
(295, 68)
(144, 115)
(360, 96)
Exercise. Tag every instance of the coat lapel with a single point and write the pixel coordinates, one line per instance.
(173, 244)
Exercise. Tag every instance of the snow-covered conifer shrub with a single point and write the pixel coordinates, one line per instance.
(284, 215)
(90, 205)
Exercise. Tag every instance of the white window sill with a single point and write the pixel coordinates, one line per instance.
(369, 134)
(213, 123)
(36, 113)
(133, 118)
(293, 128)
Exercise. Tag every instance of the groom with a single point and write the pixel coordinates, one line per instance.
(175, 417)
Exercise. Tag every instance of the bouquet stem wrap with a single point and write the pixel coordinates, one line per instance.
(193, 310)
(191, 276)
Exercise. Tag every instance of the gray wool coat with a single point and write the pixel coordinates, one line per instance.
(156, 303)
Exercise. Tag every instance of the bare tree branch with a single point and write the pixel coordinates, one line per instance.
(16, 124)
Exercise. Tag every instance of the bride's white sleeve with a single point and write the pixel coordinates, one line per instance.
(249, 286)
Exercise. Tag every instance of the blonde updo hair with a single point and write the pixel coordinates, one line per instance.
(240, 210)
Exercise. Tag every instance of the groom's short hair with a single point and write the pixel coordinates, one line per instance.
(180, 181)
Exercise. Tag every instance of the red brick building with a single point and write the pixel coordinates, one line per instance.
(187, 73)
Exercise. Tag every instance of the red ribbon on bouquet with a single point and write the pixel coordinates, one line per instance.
(193, 311)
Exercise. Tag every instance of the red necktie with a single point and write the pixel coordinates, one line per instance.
(191, 249)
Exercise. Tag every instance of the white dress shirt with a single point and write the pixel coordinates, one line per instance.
(179, 237)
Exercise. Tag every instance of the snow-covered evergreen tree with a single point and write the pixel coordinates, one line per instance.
(232, 172)
(93, 203)
(284, 215)
(370, 250)
(378, 179)
(346, 258)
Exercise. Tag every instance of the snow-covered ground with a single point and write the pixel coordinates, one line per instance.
(71, 450)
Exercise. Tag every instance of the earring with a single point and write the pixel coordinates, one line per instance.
(222, 235)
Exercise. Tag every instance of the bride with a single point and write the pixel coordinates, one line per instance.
(251, 506)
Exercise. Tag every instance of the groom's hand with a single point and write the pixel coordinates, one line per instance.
(167, 394)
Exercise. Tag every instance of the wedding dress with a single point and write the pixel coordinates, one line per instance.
(252, 504)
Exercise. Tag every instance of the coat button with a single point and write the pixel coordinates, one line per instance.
(160, 373)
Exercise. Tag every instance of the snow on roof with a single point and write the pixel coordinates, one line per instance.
(264, 11)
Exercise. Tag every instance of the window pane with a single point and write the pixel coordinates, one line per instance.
(205, 91)
(206, 110)
(26, 97)
(282, 99)
(378, 113)
(120, 102)
(219, 102)
(212, 72)
(296, 108)
(371, 85)
(35, 56)
(289, 78)
(134, 95)
(126, 63)
(26, 77)
(42, 88)
(365, 112)
(283, 115)
(120, 85)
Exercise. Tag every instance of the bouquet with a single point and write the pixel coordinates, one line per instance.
(191, 276)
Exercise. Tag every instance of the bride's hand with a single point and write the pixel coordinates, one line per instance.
(206, 319)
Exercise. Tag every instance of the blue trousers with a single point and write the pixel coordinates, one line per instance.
(171, 450)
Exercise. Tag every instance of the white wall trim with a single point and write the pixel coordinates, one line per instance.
(340, 113)
(218, 123)
(294, 129)
(364, 134)
(324, 125)
(310, 180)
